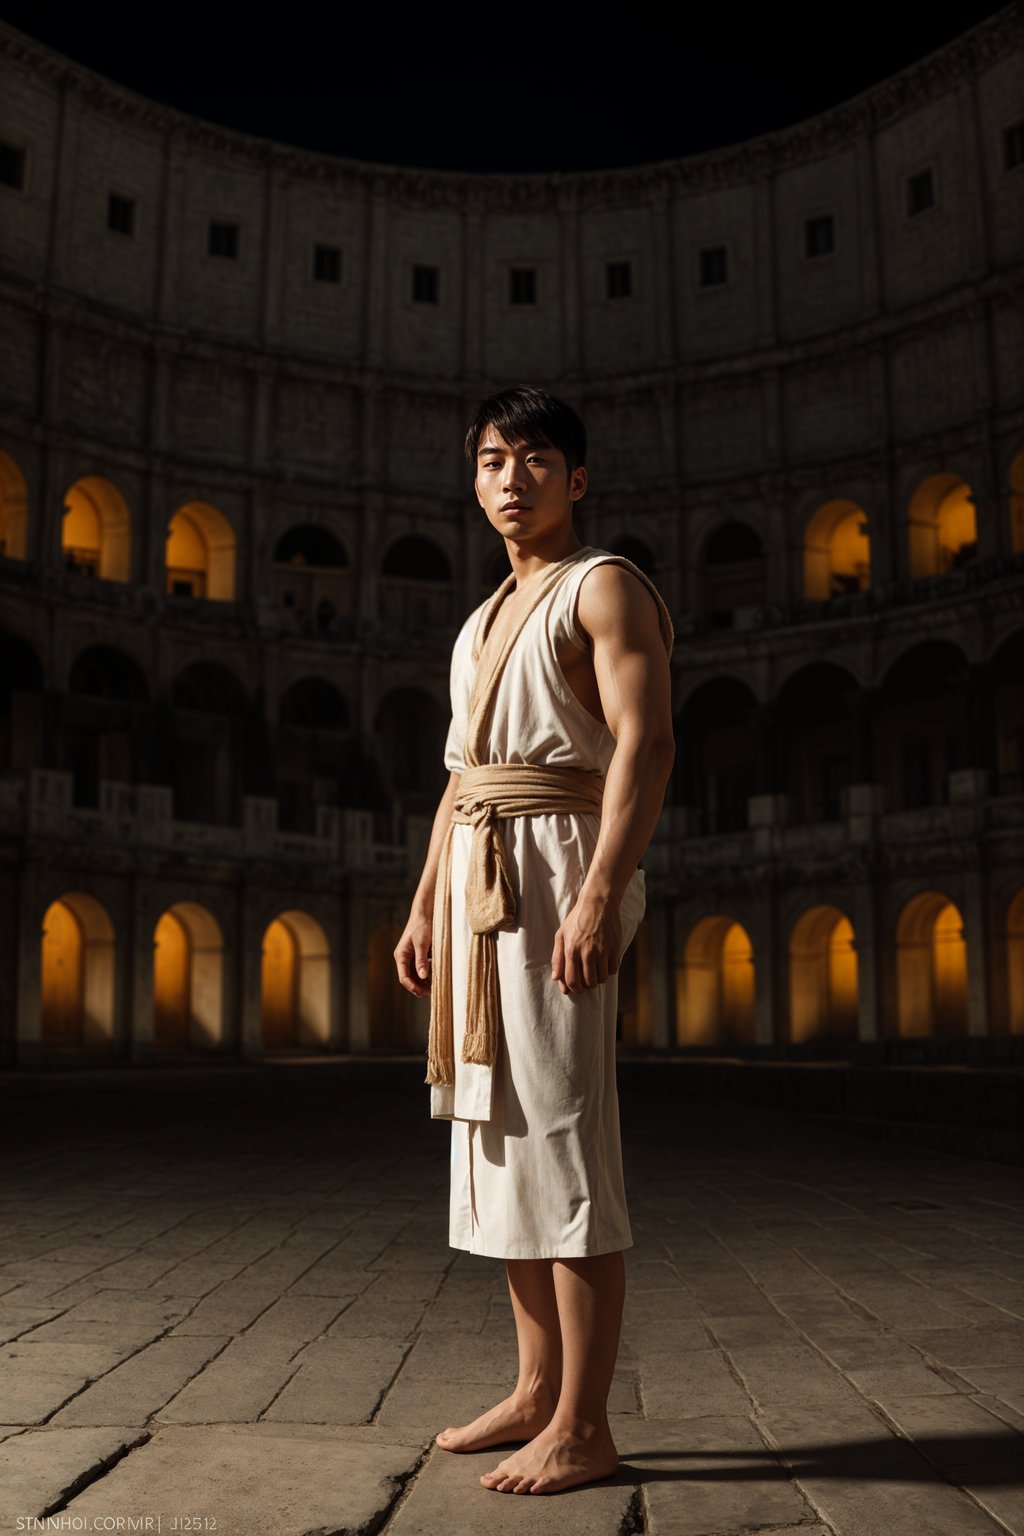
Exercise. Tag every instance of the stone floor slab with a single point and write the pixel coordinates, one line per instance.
(709, 1476)
(41, 1469)
(257, 1481)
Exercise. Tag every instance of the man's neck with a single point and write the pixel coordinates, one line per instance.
(528, 561)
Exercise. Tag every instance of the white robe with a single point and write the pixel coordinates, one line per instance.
(536, 1159)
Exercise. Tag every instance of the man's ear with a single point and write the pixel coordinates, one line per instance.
(578, 483)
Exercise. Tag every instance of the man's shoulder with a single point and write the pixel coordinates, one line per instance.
(611, 594)
(605, 575)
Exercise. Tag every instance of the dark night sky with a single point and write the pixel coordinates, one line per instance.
(552, 91)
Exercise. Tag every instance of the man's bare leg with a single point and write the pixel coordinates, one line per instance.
(525, 1412)
(576, 1446)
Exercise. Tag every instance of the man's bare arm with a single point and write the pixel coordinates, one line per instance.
(412, 952)
(634, 683)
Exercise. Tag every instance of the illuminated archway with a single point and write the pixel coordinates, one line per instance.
(1015, 963)
(837, 552)
(715, 985)
(188, 978)
(295, 983)
(931, 958)
(96, 530)
(942, 526)
(822, 977)
(201, 553)
(13, 509)
(398, 1021)
(77, 974)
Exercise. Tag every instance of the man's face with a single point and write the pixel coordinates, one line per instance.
(525, 488)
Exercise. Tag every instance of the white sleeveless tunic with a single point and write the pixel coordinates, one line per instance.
(536, 1158)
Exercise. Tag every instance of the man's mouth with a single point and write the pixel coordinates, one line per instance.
(515, 506)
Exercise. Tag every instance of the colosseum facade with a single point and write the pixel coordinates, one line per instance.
(237, 539)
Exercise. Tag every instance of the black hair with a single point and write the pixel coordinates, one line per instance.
(524, 415)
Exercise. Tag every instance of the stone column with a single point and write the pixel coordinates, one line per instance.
(978, 939)
(865, 940)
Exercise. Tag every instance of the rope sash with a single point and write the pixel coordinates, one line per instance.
(487, 794)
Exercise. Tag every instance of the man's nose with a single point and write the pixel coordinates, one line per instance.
(514, 477)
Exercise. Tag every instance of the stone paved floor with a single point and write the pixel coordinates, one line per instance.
(228, 1304)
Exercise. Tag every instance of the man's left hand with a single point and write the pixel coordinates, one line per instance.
(587, 945)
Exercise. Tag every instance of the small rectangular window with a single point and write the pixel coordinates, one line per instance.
(820, 236)
(1013, 145)
(121, 214)
(12, 166)
(425, 285)
(620, 279)
(714, 266)
(920, 192)
(327, 264)
(223, 239)
(522, 285)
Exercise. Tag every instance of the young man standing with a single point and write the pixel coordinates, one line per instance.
(560, 749)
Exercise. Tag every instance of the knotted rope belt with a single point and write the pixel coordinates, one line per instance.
(487, 794)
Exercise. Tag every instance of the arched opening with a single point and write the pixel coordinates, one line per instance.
(942, 525)
(715, 986)
(317, 762)
(412, 731)
(714, 770)
(311, 579)
(21, 705)
(931, 957)
(1007, 679)
(1017, 504)
(837, 551)
(914, 728)
(96, 530)
(812, 736)
(77, 974)
(106, 714)
(13, 510)
(211, 736)
(295, 984)
(636, 550)
(398, 1021)
(1015, 963)
(822, 977)
(416, 584)
(188, 978)
(733, 575)
(200, 553)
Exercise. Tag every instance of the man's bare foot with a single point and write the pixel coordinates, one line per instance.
(514, 1418)
(554, 1460)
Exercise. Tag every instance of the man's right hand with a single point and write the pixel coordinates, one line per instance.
(412, 956)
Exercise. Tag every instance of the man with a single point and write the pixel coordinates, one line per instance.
(560, 750)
